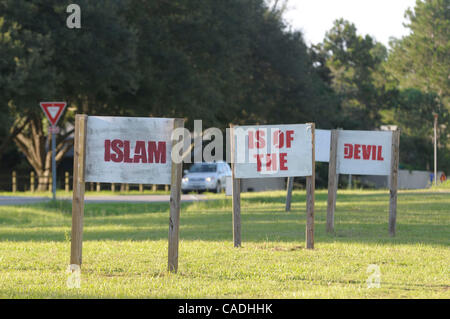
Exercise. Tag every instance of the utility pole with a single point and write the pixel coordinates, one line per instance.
(435, 148)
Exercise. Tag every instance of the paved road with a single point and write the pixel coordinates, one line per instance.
(21, 200)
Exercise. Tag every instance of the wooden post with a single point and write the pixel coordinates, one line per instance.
(97, 187)
(14, 182)
(113, 187)
(141, 188)
(79, 160)
(175, 197)
(154, 188)
(166, 188)
(333, 178)
(310, 187)
(394, 181)
(236, 193)
(289, 187)
(32, 181)
(127, 187)
(66, 182)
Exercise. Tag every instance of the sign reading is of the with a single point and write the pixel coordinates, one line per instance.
(272, 150)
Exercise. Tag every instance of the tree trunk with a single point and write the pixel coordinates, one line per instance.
(44, 180)
(31, 141)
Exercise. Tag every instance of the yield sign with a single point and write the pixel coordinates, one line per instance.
(53, 110)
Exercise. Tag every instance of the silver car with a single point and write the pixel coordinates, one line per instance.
(206, 177)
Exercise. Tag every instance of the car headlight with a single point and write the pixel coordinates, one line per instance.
(185, 179)
(209, 179)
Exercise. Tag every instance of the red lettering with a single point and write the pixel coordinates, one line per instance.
(126, 152)
(271, 162)
(379, 156)
(289, 138)
(116, 146)
(260, 140)
(354, 151)
(366, 151)
(251, 140)
(357, 151)
(156, 154)
(278, 139)
(283, 161)
(140, 155)
(107, 150)
(258, 161)
(348, 150)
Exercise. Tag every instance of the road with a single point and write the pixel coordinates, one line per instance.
(22, 200)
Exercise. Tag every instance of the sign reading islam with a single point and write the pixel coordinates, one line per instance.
(128, 150)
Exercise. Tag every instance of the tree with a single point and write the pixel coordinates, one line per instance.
(42, 60)
(421, 60)
(354, 61)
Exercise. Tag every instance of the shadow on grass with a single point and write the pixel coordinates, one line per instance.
(212, 221)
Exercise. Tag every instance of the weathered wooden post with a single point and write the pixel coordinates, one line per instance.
(310, 190)
(14, 182)
(175, 206)
(394, 181)
(32, 181)
(79, 159)
(236, 193)
(141, 188)
(333, 178)
(289, 188)
(97, 187)
(113, 187)
(154, 188)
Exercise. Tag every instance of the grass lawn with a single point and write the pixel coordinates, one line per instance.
(125, 249)
(64, 194)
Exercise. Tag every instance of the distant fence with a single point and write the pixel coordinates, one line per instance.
(30, 182)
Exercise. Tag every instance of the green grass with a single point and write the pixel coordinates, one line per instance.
(63, 194)
(442, 186)
(125, 249)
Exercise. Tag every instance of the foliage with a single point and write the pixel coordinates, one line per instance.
(421, 60)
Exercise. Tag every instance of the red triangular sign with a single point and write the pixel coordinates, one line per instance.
(53, 110)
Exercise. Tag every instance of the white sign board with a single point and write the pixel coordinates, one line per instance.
(272, 151)
(128, 150)
(364, 152)
(322, 145)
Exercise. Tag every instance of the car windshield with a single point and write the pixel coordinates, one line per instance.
(202, 168)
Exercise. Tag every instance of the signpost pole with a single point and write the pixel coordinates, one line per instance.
(53, 163)
(53, 111)
(310, 188)
(435, 148)
(332, 181)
